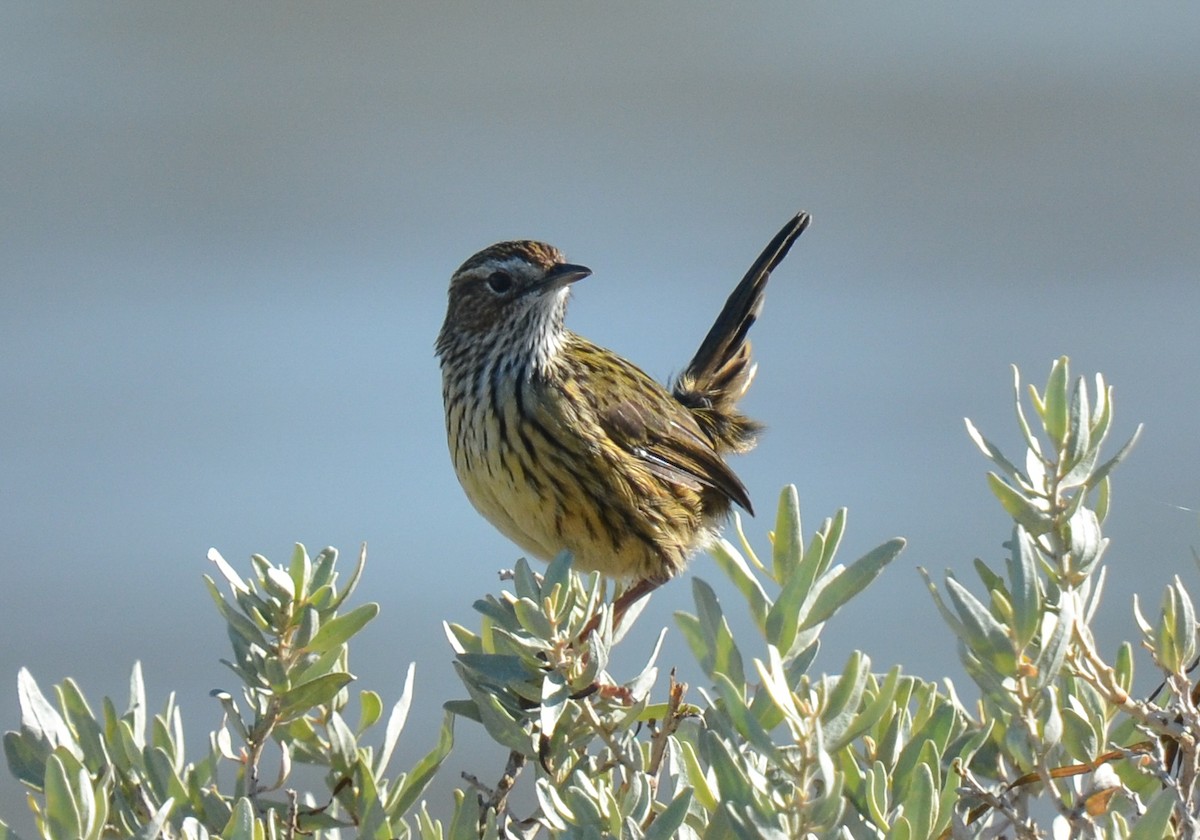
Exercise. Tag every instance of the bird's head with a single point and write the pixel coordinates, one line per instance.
(514, 293)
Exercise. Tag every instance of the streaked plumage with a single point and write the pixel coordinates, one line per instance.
(563, 444)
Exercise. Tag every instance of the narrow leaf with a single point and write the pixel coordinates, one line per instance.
(1054, 403)
(234, 579)
(319, 692)
(154, 826)
(852, 580)
(337, 631)
(62, 811)
(1023, 510)
(1153, 824)
(396, 720)
(788, 549)
(671, 818)
(994, 454)
(1104, 469)
(424, 771)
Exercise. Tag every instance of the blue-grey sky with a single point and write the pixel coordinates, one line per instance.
(226, 234)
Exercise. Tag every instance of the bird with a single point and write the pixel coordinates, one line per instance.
(565, 445)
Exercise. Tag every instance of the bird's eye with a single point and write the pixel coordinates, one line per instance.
(499, 282)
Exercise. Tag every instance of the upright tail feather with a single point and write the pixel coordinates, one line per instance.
(721, 370)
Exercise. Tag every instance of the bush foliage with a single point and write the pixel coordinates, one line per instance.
(1056, 745)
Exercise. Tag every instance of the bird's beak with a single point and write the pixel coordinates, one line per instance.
(563, 274)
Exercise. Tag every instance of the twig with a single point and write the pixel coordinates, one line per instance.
(498, 799)
(290, 828)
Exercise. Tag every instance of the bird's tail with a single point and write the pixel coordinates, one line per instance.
(721, 370)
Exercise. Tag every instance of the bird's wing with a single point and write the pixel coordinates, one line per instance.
(646, 421)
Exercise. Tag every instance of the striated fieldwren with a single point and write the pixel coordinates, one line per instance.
(563, 444)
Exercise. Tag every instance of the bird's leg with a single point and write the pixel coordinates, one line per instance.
(631, 596)
(622, 603)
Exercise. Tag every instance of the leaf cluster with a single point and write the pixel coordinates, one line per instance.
(128, 774)
(767, 746)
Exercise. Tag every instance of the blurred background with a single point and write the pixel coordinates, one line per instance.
(227, 231)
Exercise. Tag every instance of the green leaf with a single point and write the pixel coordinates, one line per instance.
(255, 609)
(1078, 735)
(774, 682)
(1104, 469)
(136, 712)
(241, 823)
(525, 582)
(735, 567)
(689, 626)
(1153, 823)
(300, 570)
(237, 622)
(1123, 666)
(921, 803)
(783, 618)
(1030, 440)
(734, 707)
(463, 708)
(1027, 512)
(852, 580)
(553, 703)
(1103, 491)
(902, 830)
(725, 656)
(498, 669)
(342, 744)
(62, 811)
(162, 777)
(233, 578)
(319, 692)
(82, 720)
(38, 717)
(1054, 406)
(788, 550)
(326, 663)
(1185, 628)
(732, 780)
(1079, 436)
(355, 576)
(1054, 650)
(986, 637)
(870, 715)
(831, 532)
(26, 759)
(696, 777)
(338, 630)
(396, 720)
(279, 583)
(497, 720)
(125, 752)
(841, 702)
(461, 639)
(368, 805)
(1087, 544)
(950, 618)
(1026, 597)
(532, 618)
(930, 737)
(877, 794)
(323, 568)
(671, 818)
(994, 454)
(558, 573)
(154, 826)
(424, 771)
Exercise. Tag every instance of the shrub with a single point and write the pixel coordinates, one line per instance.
(766, 748)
